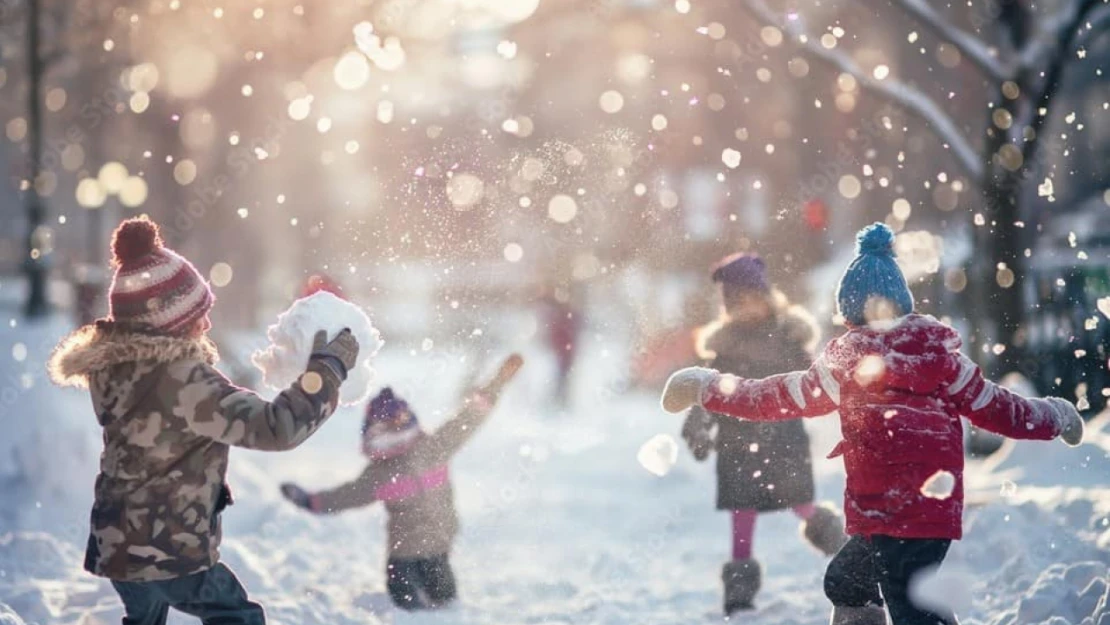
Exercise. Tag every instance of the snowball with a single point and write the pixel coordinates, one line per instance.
(291, 343)
(944, 589)
(658, 454)
(939, 485)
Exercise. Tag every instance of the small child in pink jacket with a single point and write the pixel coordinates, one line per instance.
(408, 472)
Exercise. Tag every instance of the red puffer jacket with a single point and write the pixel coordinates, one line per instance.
(900, 390)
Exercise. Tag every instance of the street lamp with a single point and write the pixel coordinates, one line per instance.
(113, 179)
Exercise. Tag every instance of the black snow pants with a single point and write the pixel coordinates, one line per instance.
(214, 596)
(420, 583)
(869, 570)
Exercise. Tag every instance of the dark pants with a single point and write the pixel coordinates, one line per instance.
(866, 566)
(214, 596)
(420, 583)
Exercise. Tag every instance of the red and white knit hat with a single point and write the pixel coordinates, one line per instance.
(153, 285)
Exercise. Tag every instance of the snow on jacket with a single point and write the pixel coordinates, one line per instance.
(169, 418)
(415, 488)
(900, 390)
(760, 465)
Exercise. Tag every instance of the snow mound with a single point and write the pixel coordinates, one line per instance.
(291, 343)
(36, 555)
(50, 437)
(1035, 463)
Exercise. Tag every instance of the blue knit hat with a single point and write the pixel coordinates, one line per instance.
(873, 274)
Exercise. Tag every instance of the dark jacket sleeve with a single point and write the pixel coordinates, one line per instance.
(357, 493)
(446, 441)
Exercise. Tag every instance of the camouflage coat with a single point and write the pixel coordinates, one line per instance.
(169, 418)
(415, 489)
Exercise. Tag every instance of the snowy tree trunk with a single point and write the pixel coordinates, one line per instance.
(999, 275)
(1044, 60)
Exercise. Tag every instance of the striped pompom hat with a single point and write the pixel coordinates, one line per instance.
(153, 285)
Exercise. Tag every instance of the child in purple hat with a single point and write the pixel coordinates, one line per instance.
(408, 473)
(761, 467)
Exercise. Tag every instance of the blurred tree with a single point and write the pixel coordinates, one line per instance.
(37, 258)
(1023, 51)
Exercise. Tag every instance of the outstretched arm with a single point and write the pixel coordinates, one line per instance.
(357, 493)
(811, 393)
(999, 410)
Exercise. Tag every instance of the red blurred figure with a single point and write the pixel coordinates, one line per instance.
(816, 214)
(562, 321)
(320, 282)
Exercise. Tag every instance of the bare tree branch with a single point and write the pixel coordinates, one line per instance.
(905, 96)
(970, 46)
(1096, 24)
(1050, 34)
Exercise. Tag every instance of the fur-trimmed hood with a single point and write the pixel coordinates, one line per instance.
(101, 345)
(727, 336)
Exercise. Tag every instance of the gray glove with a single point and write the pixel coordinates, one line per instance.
(298, 496)
(339, 354)
(1071, 424)
(697, 431)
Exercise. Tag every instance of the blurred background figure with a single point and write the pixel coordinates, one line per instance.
(562, 322)
(318, 282)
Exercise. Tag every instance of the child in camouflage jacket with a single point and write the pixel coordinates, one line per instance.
(169, 418)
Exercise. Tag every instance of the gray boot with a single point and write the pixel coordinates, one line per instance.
(867, 615)
(742, 579)
(825, 530)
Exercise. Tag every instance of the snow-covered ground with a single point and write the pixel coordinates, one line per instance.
(560, 523)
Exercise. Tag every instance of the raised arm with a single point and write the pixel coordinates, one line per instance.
(446, 441)
(213, 407)
(999, 410)
(811, 393)
(477, 407)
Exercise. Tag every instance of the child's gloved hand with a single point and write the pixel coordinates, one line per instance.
(298, 496)
(700, 445)
(697, 431)
(685, 387)
(340, 354)
(1071, 424)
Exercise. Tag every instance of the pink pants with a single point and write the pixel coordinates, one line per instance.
(743, 528)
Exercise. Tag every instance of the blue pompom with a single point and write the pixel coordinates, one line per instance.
(875, 240)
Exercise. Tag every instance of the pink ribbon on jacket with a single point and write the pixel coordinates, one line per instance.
(406, 486)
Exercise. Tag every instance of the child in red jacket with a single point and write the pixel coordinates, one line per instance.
(901, 385)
